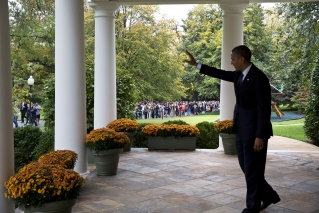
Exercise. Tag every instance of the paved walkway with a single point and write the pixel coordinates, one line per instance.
(202, 181)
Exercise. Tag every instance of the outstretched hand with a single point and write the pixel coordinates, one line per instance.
(191, 60)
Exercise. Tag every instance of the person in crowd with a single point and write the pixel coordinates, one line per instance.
(37, 114)
(33, 115)
(28, 114)
(15, 115)
(23, 110)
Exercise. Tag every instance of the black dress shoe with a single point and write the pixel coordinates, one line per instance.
(264, 205)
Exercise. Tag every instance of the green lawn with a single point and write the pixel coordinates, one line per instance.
(192, 120)
(290, 129)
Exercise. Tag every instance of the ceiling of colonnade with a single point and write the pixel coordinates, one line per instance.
(144, 2)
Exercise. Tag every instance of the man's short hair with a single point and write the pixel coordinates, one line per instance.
(242, 51)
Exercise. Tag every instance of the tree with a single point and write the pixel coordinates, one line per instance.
(312, 109)
(297, 46)
(203, 38)
(146, 49)
(257, 37)
(32, 40)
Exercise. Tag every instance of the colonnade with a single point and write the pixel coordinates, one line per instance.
(70, 95)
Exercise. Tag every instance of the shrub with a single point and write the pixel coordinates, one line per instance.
(179, 122)
(208, 137)
(25, 141)
(45, 145)
(312, 109)
(140, 138)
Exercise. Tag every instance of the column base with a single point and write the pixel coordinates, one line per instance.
(84, 175)
(220, 149)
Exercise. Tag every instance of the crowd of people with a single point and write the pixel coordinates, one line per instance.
(30, 114)
(150, 109)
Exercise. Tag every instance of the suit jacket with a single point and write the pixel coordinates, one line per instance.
(253, 101)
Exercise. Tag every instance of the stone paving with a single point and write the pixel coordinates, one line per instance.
(202, 181)
(205, 181)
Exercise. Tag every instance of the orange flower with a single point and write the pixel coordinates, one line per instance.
(225, 126)
(123, 125)
(38, 183)
(66, 158)
(105, 138)
(175, 130)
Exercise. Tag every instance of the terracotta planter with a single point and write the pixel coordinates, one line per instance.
(171, 143)
(229, 143)
(107, 161)
(128, 147)
(63, 206)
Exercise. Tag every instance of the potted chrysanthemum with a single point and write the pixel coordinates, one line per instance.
(106, 146)
(225, 129)
(39, 187)
(66, 158)
(171, 137)
(125, 126)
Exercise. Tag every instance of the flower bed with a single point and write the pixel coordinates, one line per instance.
(171, 137)
(174, 130)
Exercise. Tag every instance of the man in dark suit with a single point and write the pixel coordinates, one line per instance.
(251, 123)
(23, 110)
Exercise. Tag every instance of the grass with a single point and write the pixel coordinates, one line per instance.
(290, 129)
(192, 120)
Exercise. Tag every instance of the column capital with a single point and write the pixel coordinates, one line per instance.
(233, 8)
(104, 8)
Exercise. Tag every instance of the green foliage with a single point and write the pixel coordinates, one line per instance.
(256, 36)
(202, 38)
(208, 138)
(296, 40)
(146, 49)
(312, 110)
(140, 138)
(48, 102)
(89, 93)
(300, 99)
(32, 32)
(45, 145)
(179, 122)
(25, 140)
(126, 95)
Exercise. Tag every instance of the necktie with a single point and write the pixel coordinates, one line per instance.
(241, 78)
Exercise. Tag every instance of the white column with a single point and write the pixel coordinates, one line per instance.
(233, 28)
(6, 131)
(105, 63)
(70, 93)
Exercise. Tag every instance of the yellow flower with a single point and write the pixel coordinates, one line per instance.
(224, 126)
(39, 183)
(106, 138)
(123, 125)
(175, 130)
